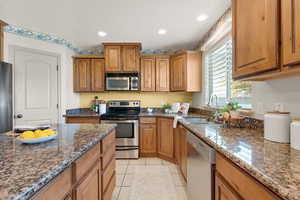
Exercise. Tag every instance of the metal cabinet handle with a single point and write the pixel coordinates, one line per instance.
(19, 116)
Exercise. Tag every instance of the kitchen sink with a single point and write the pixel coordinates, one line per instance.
(196, 120)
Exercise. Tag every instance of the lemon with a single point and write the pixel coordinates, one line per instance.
(49, 132)
(41, 134)
(28, 135)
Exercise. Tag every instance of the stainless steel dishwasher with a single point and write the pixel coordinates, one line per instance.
(200, 169)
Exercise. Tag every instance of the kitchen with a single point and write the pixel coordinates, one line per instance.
(207, 108)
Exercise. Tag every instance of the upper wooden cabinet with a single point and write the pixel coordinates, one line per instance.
(155, 73)
(122, 57)
(88, 74)
(186, 71)
(290, 32)
(255, 36)
(113, 58)
(148, 73)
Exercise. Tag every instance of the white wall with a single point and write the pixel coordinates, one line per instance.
(69, 99)
(266, 94)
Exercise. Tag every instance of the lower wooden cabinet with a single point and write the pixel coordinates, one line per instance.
(165, 138)
(223, 191)
(148, 139)
(88, 189)
(86, 178)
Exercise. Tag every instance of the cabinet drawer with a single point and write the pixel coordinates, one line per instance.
(58, 188)
(108, 156)
(107, 142)
(85, 162)
(110, 189)
(246, 186)
(108, 174)
(147, 120)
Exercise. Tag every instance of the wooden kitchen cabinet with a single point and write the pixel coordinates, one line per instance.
(255, 37)
(2, 24)
(148, 74)
(155, 73)
(238, 182)
(148, 137)
(162, 66)
(290, 14)
(223, 190)
(82, 75)
(88, 189)
(165, 138)
(186, 71)
(122, 57)
(88, 74)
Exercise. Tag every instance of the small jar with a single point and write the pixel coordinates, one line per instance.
(295, 134)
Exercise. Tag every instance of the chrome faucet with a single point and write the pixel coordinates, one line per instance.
(211, 100)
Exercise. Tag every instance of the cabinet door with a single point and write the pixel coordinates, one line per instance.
(255, 36)
(82, 75)
(223, 191)
(97, 75)
(148, 138)
(178, 73)
(177, 145)
(290, 31)
(183, 152)
(165, 138)
(162, 74)
(148, 74)
(88, 189)
(130, 59)
(113, 59)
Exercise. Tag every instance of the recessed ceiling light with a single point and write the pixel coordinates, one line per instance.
(102, 34)
(202, 18)
(162, 31)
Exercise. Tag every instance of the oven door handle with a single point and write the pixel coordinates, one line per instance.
(127, 149)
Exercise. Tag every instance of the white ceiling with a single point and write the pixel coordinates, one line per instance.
(78, 21)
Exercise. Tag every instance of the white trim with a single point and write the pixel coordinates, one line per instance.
(12, 49)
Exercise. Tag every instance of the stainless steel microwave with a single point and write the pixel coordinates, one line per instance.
(122, 82)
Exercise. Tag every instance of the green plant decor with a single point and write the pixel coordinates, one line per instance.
(230, 106)
(167, 106)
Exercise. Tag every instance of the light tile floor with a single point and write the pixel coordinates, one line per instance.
(127, 182)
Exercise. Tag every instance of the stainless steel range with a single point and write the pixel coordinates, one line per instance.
(126, 115)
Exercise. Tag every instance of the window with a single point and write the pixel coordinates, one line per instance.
(218, 67)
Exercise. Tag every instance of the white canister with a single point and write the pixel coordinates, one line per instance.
(102, 109)
(277, 127)
(295, 134)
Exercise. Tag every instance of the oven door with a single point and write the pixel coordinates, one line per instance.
(127, 132)
(117, 83)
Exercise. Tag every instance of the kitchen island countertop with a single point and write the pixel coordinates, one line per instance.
(25, 169)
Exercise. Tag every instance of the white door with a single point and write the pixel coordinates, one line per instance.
(36, 93)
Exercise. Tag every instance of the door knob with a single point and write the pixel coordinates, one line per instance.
(19, 116)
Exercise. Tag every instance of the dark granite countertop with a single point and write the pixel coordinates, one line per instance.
(25, 169)
(275, 165)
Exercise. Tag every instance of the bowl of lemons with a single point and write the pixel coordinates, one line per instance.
(37, 136)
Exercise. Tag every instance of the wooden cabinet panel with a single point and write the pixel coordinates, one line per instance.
(58, 188)
(148, 138)
(178, 73)
(290, 13)
(2, 24)
(165, 138)
(255, 36)
(247, 187)
(148, 74)
(108, 174)
(108, 141)
(162, 74)
(88, 189)
(224, 191)
(82, 73)
(113, 59)
(130, 59)
(177, 132)
(148, 120)
(110, 189)
(97, 75)
(183, 153)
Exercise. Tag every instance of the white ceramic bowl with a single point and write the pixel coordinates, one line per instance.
(36, 140)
